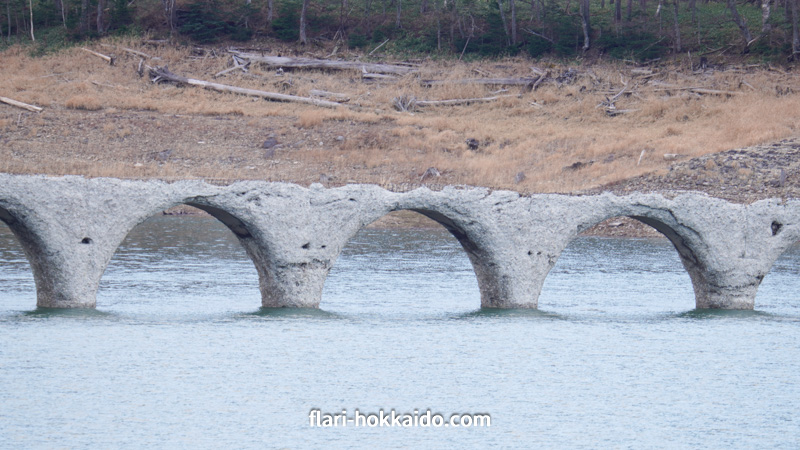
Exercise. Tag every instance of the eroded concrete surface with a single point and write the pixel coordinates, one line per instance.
(71, 226)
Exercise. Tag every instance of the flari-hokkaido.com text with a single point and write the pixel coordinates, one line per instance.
(317, 418)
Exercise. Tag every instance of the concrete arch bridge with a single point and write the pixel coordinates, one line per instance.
(71, 226)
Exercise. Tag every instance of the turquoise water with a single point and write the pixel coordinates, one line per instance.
(179, 353)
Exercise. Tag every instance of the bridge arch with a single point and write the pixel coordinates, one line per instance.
(472, 230)
(25, 225)
(23, 237)
(248, 235)
(443, 220)
(689, 243)
(644, 272)
(407, 259)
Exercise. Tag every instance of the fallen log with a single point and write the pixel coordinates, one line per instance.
(109, 59)
(334, 96)
(460, 101)
(376, 48)
(163, 74)
(376, 76)
(696, 90)
(136, 52)
(539, 80)
(236, 66)
(326, 64)
(714, 92)
(487, 81)
(616, 112)
(19, 104)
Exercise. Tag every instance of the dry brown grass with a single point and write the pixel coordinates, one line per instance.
(105, 120)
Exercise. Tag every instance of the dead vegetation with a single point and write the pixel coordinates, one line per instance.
(562, 130)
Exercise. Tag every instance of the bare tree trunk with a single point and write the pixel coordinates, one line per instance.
(765, 13)
(84, 25)
(399, 4)
(618, 11)
(342, 9)
(795, 33)
(169, 14)
(584, 10)
(270, 11)
(505, 23)
(8, 15)
(513, 4)
(59, 4)
(100, 28)
(629, 11)
(740, 22)
(438, 26)
(676, 25)
(30, 6)
(303, 12)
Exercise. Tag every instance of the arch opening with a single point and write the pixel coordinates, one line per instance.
(631, 271)
(17, 282)
(777, 292)
(406, 262)
(198, 258)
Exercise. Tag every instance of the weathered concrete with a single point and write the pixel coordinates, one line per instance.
(71, 226)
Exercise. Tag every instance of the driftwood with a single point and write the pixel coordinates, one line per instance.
(109, 59)
(488, 81)
(405, 103)
(236, 66)
(460, 101)
(163, 74)
(333, 96)
(539, 80)
(713, 92)
(616, 112)
(19, 104)
(376, 48)
(696, 90)
(376, 76)
(326, 64)
(136, 52)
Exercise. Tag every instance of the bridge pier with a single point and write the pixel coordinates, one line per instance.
(294, 234)
(293, 285)
(66, 272)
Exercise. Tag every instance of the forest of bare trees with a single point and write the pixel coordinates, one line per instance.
(640, 29)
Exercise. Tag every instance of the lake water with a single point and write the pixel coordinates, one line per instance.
(179, 353)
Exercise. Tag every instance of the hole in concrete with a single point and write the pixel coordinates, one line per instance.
(776, 227)
(306, 245)
(86, 240)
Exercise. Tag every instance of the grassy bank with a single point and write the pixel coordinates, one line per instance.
(102, 120)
